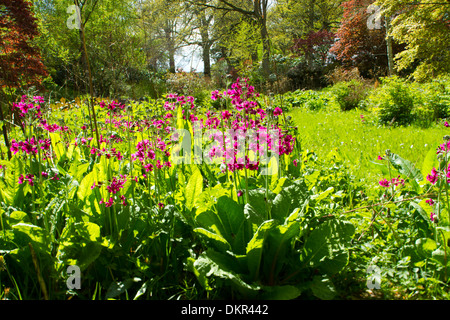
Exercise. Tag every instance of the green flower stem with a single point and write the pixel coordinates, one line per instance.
(396, 237)
(133, 183)
(445, 255)
(267, 176)
(446, 186)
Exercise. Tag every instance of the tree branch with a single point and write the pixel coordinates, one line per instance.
(230, 7)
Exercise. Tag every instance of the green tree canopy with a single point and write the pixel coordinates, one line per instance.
(424, 27)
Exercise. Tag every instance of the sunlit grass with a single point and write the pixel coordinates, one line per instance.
(359, 140)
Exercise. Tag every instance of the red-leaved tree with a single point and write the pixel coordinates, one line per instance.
(358, 45)
(20, 62)
(315, 45)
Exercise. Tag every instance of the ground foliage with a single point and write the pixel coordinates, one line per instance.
(143, 223)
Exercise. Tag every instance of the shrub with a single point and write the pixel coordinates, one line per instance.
(349, 94)
(437, 98)
(308, 99)
(394, 100)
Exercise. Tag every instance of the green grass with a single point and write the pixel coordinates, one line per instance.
(360, 142)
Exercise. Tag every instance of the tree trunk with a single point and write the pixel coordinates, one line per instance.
(206, 59)
(311, 19)
(5, 133)
(260, 13)
(170, 47)
(206, 44)
(172, 61)
(266, 48)
(390, 54)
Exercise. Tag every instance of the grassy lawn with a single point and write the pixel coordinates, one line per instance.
(359, 140)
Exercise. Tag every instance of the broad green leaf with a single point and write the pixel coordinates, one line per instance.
(441, 256)
(231, 214)
(215, 239)
(278, 248)
(312, 179)
(406, 168)
(423, 209)
(323, 195)
(325, 249)
(232, 217)
(201, 276)
(77, 170)
(425, 247)
(287, 292)
(14, 193)
(256, 246)
(252, 215)
(210, 220)
(24, 233)
(194, 187)
(212, 263)
(84, 190)
(117, 288)
(57, 145)
(257, 200)
(281, 206)
(323, 288)
(180, 120)
(18, 217)
(288, 200)
(280, 185)
(80, 244)
(429, 162)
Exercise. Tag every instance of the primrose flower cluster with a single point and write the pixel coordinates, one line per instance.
(228, 130)
(29, 106)
(30, 146)
(443, 174)
(442, 152)
(239, 135)
(393, 182)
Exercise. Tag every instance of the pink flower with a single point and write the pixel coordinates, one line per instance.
(384, 183)
(124, 202)
(433, 217)
(116, 184)
(110, 202)
(28, 177)
(430, 202)
(446, 124)
(148, 167)
(226, 115)
(433, 177)
(397, 181)
(38, 99)
(277, 112)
